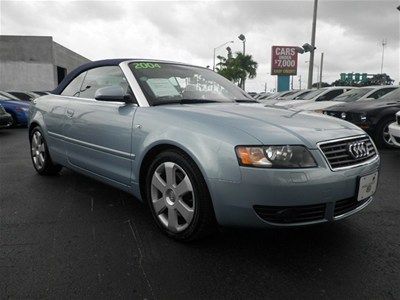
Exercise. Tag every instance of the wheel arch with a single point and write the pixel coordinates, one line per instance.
(158, 148)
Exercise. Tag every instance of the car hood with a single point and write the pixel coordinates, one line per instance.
(363, 105)
(317, 105)
(268, 125)
(14, 103)
(292, 103)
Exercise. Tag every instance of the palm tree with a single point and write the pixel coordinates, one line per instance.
(237, 68)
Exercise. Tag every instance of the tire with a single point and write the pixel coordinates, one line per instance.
(40, 154)
(382, 137)
(14, 120)
(180, 203)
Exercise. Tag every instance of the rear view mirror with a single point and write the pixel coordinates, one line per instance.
(112, 93)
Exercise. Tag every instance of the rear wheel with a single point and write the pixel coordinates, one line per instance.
(383, 138)
(14, 121)
(178, 197)
(40, 154)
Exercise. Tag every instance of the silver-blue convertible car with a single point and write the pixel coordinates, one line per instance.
(199, 150)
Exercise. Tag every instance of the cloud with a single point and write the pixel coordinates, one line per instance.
(348, 32)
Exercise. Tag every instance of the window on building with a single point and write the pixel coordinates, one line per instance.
(61, 73)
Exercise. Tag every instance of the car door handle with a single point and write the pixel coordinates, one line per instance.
(70, 112)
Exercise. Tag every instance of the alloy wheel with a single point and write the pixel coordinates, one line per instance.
(38, 150)
(172, 196)
(386, 136)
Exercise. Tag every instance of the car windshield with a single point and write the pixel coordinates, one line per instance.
(166, 83)
(352, 95)
(393, 94)
(311, 95)
(8, 96)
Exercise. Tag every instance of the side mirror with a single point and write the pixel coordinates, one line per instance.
(112, 93)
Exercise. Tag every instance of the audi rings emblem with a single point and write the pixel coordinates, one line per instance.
(358, 150)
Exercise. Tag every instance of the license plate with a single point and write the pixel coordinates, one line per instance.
(367, 186)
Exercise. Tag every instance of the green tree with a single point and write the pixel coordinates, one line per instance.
(238, 68)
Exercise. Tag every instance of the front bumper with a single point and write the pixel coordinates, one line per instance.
(394, 130)
(5, 121)
(239, 203)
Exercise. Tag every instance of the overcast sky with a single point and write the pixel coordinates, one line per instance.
(349, 32)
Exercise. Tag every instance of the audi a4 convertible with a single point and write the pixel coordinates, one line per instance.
(199, 150)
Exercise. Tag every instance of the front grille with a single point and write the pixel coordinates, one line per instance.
(347, 205)
(291, 214)
(339, 156)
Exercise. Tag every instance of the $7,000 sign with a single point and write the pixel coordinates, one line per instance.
(284, 60)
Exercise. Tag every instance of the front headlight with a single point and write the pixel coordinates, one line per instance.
(284, 156)
(25, 108)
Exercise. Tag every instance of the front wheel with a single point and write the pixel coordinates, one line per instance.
(178, 197)
(40, 154)
(383, 137)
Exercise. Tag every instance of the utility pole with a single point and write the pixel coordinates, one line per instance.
(314, 25)
(384, 42)
(320, 70)
(299, 82)
(243, 39)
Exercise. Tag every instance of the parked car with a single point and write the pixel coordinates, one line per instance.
(296, 95)
(18, 109)
(323, 94)
(263, 94)
(252, 94)
(177, 137)
(273, 96)
(5, 118)
(24, 96)
(372, 116)
(394, 130)
(356, 94)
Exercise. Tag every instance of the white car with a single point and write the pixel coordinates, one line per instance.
(394, 131)
(323, 94)
(356, 94)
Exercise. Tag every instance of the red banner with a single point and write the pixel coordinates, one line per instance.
(284, 60)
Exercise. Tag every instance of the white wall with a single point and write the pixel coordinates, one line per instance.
(18, 75)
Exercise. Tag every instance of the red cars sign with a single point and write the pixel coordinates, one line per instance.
(284, 60)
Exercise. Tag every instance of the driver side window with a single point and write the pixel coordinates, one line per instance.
(102, 77)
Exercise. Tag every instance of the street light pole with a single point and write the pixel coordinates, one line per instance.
(320, 69)
(243, 39)
(314, 25)
(229, 42)
(384, 42)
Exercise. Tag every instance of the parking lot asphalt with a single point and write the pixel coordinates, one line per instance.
(71, 237)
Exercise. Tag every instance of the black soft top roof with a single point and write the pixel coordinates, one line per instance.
(85, 67)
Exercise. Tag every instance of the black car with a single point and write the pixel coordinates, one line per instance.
(372, 116)
(5, 118)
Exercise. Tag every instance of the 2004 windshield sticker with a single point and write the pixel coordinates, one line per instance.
(147, 65)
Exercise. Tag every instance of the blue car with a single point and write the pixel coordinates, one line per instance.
(199, 150)
(19, 110)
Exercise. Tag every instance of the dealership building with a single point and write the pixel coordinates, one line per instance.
(34, 63)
